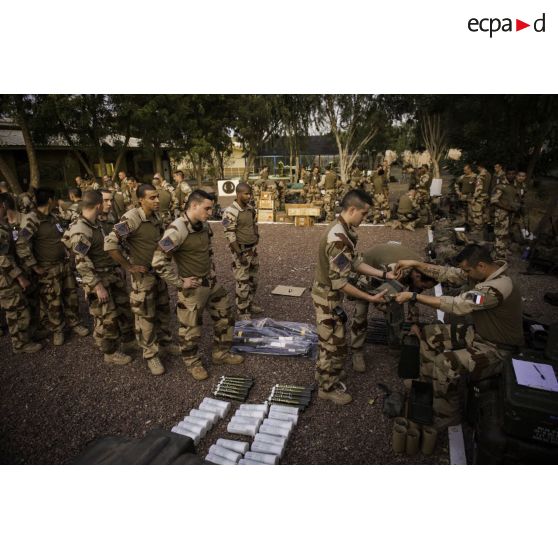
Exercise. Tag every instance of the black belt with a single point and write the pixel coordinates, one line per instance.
(247, 246)
(504, 347)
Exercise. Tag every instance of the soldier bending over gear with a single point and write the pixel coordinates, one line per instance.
(492, 299)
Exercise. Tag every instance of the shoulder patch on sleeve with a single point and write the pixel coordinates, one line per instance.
(82, 248)
(122, 229)
(341, 261)
(25, 234)
(166, 244)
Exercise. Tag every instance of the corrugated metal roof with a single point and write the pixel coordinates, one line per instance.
(14, 138)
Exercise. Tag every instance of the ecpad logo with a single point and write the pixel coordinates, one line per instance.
(494, 24)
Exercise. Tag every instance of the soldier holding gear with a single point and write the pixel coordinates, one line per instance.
(337, 258)
(39, 246)
(385, 257)
(187, 242)
(241, 231)
(104, 286)
(13, 284)
(492, 300)
(138, 233)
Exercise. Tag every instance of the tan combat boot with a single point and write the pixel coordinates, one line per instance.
(198, 372)
(80, 330)
(227, 358)
(336, 395)
(255, 309)
(117, 358)
(29, 348)
(58, 338)
(172, 349)
(155, 366)
(358, 362)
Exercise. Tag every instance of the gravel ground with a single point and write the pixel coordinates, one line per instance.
(55, 402)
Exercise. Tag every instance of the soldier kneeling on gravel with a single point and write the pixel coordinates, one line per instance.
(187, 241)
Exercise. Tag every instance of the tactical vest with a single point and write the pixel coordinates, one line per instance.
(193, 257)
(47, 242)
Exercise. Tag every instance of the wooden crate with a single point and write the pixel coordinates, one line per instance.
(268, 196)
(282, 217)
(306, 211)
(267, 204)
(266, 216)
(304, 221)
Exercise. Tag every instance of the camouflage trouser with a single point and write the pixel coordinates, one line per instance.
(12, 301)
(331, 337)
(329, 205)
(246, 277)
(476, 213)
(501, 232)
(190, 307)
(149, 301)
(424, 210)
(58, 296)
(380, 210)
(112, 320)
(359, 325)
(447, 352)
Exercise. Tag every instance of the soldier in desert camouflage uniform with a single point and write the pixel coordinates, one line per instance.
(407, 211)
(104, 286)
(136, 235)
(493, 302)
(505, 203)
(181, 193)
(39, 247)
(464, 188)
(166, 202)
(241, 231)
(330, 196)
(187, 242)
(423, 194)
(13, 285)
(337, 258)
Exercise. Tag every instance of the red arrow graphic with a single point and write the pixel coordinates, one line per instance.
(519, 25)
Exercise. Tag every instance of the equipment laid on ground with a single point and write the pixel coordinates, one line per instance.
(297, 396)
(233, 387)
(158, 447)
(265, 336)
(409, 359)
(420, 402)
(270, 426)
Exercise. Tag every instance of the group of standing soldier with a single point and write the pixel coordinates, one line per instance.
(126, 244)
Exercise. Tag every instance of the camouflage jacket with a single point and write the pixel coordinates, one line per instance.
(337, 256)
(129, 236)
(181, 195)
(474, 297)
(29, 237)
(505, 197)
(173, 238)
(85, 240)
(9, 269)
(230, 221)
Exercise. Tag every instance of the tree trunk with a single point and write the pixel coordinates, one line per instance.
(436, 168)
(34, 173)
(158, 159)
(220, 164)
(121, 155)
(250, 160)
(9, 175)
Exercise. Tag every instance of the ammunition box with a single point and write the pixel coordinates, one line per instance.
(303, 221)
(266, 216)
